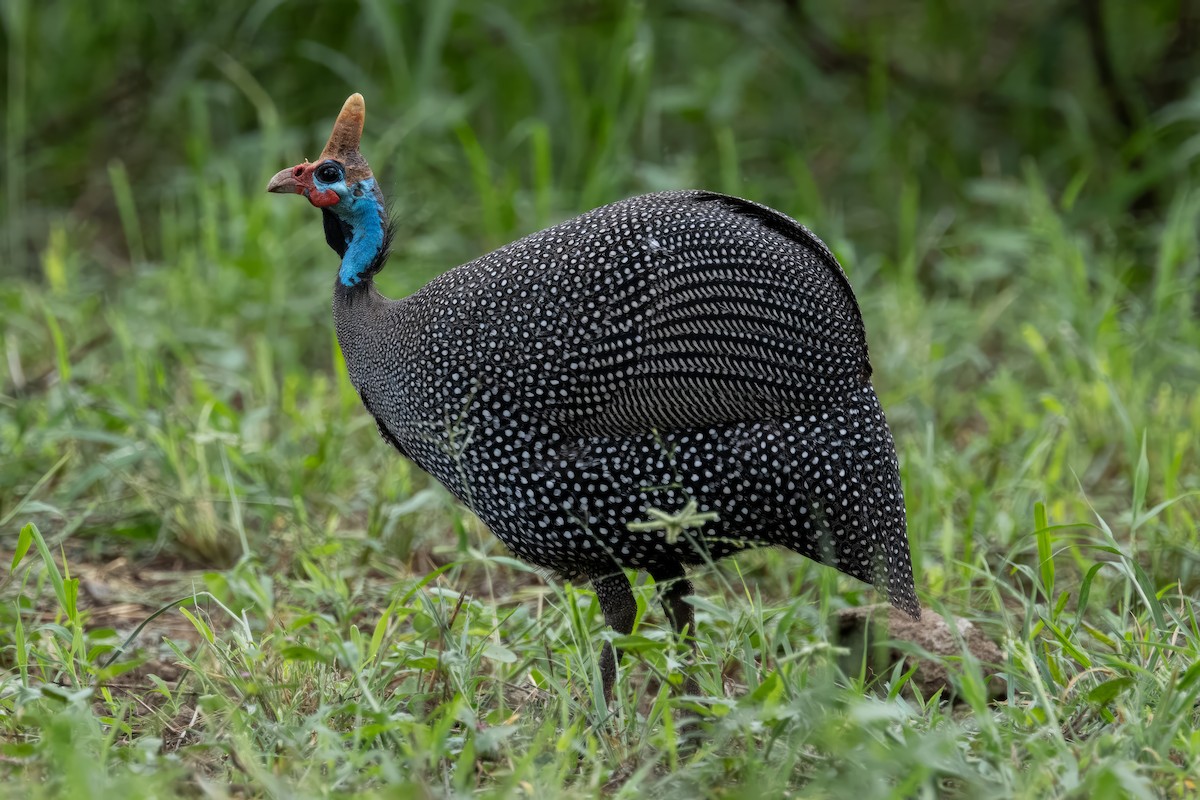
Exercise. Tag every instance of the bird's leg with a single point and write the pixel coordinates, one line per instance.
(674, 589)
(616, 601)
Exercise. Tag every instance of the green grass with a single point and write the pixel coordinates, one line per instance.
(180, 447)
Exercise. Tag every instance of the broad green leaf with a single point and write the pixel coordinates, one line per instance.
(24, 540)
(498, 652)
(1109, 690)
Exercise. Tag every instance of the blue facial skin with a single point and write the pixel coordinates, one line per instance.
(361, 208)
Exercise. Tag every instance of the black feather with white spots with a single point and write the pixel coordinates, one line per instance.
(672, 348)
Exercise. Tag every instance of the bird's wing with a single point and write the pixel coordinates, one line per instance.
(708, 310)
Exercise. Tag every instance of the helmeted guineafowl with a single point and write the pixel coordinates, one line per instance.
(661, 381)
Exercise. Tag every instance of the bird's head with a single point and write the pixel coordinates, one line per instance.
(340, 183)
(341, 170)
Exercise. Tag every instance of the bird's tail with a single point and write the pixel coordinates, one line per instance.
(879, 473)
(857, 500)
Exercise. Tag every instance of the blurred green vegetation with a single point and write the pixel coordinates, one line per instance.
(1010, 187)
(848, 111)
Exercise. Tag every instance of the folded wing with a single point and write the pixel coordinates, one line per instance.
(723, 311)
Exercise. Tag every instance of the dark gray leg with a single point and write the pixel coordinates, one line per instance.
(619, 607)
(674, 589)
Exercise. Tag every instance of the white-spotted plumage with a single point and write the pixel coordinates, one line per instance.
(674, 348)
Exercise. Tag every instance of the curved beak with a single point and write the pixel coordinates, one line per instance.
(285, 182)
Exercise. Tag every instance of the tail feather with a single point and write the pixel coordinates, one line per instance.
(857, 501)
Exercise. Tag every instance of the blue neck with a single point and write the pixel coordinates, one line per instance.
(362, 210)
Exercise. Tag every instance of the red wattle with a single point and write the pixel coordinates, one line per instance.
(323, 199)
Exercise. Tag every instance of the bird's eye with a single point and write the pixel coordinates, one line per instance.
(328, 173)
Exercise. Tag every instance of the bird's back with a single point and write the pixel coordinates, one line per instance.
(663, 311)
